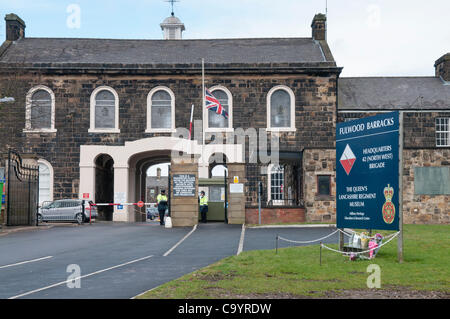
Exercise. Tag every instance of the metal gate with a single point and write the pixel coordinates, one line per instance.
(22, 191)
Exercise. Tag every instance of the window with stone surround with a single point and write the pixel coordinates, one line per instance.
(45, 181)
(276, 184)
(160, 110)
(280, 109)
(323, 185)
(104, 111)
(217, 122)
(40, 110)
(443, 131)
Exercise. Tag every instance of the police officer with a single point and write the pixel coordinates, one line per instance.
(203, 206)
(161, 199)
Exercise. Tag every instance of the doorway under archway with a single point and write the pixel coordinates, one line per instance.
(104, 185)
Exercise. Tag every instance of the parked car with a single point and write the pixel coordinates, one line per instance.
(152, 213)
(68, 210)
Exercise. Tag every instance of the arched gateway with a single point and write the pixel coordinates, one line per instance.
(130, 161)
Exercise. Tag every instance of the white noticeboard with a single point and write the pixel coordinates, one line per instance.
(237, 188)
(120, 197)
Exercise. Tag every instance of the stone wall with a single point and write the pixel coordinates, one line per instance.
(275, 215)
(419, 127)
(236, 201)
(315, 115)
(319, 208)
(184, 210)
(424, 209)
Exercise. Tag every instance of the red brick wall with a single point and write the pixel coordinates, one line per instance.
(275, 215)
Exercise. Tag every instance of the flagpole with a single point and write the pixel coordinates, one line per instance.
(190, 123)
(203, 100)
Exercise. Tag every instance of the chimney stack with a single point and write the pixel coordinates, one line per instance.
(15, 27)
(318, 25)
(442, 67)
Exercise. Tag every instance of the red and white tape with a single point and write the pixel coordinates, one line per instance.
(121, 204)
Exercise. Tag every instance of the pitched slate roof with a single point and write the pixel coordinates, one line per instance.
(386, 93)
(107, 51)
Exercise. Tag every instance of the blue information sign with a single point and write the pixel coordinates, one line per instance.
(119, 206)
(367, 173)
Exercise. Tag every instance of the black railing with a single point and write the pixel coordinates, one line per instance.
(22, 191)
(279, 203)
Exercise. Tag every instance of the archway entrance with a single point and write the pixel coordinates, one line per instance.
(157, 180)
(104, 181)
(151, 170)
(215, 187)
(117, 175)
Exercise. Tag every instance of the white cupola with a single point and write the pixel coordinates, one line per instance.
(172, 28)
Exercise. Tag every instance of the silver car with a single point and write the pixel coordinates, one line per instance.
(68, 210)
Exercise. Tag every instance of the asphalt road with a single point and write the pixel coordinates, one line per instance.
(117, 260)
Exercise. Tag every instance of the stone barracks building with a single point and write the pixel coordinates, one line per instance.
(96, 113)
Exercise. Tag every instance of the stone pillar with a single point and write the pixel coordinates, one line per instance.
(203, 172)
(236, 201)
(184, 210)
(121, 183)
(87, 182)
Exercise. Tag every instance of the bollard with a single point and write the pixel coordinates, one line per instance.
(276, 245)
(320, 254)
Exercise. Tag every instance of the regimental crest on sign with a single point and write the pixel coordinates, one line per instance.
(388, 209)
(347, 159)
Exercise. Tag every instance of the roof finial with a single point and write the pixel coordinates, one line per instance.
(172, 3)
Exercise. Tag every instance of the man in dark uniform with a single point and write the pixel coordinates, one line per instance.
(203, 206)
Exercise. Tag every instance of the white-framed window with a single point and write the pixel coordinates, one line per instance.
(443, 131)
(45, 181)
(104, 111)
(217, 122)
(275, 184)
(160, 110)
(281, 109)
(40, 110)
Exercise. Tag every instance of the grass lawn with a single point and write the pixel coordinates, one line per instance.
(295, 272)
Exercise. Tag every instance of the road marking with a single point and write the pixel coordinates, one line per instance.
(241, 241)
(182, 239)
(25, 262)
(80, 277)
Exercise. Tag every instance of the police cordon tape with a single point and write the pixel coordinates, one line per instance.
(124, 204)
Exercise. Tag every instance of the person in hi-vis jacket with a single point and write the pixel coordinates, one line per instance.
(161, 199)
(203, 206)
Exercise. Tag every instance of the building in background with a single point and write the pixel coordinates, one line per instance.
(99, 112)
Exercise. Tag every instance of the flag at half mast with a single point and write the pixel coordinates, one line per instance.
(213, 104)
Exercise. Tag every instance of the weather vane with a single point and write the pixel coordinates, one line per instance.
(172, 3)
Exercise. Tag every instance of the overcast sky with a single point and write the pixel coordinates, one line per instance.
(367, 37)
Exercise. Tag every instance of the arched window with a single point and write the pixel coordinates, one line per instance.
(45, 181)
(281, 109)
(217, 122)
(160, 110)
(219, 171)
(104, 110)
(40, 110)
(276, 184)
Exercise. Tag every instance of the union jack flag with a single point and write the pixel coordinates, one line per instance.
(213, 104)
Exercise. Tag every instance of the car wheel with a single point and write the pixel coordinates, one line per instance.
(40, 219)
(79, 218)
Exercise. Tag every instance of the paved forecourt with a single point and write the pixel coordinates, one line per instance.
(122, 260)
